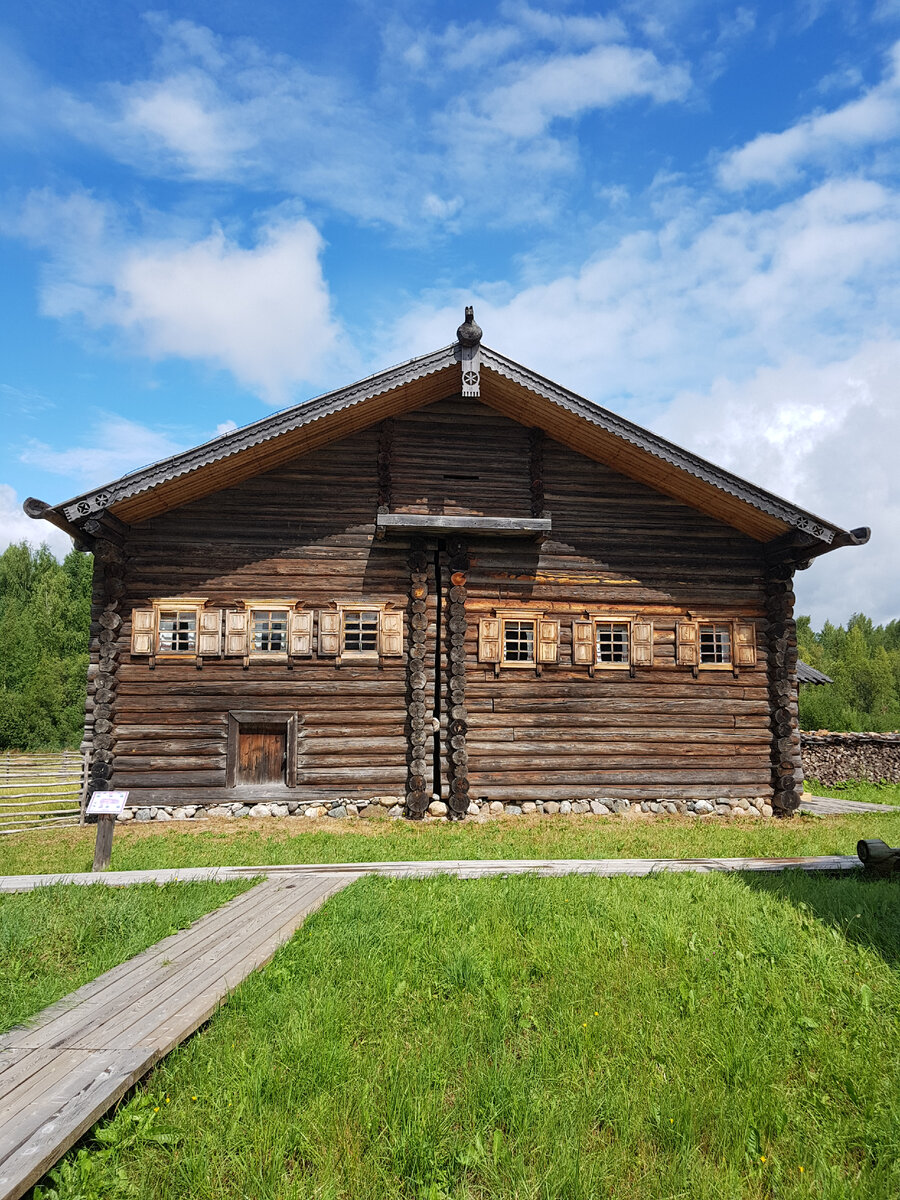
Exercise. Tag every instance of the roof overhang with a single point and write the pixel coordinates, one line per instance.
(792, 534)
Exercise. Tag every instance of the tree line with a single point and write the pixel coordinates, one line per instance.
(45, 608)
(45, 614)
(863, 659)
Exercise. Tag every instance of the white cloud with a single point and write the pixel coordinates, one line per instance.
(701, 295)
(262, 312)
(821, 435)
(111, 447)
(16, 527)
(567, 85)
(778, 158)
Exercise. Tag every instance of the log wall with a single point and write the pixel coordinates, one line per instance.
(306, 531)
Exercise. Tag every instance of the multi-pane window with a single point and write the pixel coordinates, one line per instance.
(177, 631)
(360, 631)
(715, 644)
(613, 639)
(518, 641)
(269, 630)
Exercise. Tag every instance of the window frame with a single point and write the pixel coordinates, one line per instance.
(178, 604)
(601, 664)
(278, 604)
(702, 665)
(360, 655)
(534, 617)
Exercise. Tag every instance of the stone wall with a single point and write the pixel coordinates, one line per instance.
(835, 757)
(393, 806)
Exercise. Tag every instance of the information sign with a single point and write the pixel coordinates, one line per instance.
(105, 803)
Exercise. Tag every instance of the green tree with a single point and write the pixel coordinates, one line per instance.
(44, 626)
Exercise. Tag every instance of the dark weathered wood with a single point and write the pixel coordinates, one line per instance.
(412, 523)
(106, 824)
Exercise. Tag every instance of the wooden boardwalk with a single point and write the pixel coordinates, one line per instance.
(59, 1075)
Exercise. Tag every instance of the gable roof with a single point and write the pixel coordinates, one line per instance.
(502, 384)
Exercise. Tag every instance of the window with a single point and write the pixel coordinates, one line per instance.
(177, 631)
(361, 631)
(715, 644)
(613, 642)
(518, 641)
(269, 630)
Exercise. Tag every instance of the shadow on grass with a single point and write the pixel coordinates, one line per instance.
(865, 910)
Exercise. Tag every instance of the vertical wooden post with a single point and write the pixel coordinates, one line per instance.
(106, 624)
(457, 713)
(787, 765)
(106, 825)
(418, 786)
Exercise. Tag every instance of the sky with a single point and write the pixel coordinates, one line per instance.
(685, 210)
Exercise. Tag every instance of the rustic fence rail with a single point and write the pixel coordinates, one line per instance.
(41, 789)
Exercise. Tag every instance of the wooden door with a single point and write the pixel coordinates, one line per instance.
(262, 754)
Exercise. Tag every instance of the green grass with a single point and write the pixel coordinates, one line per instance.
(857, 789)
(215, 843)
(706, 1037)
(54, 939)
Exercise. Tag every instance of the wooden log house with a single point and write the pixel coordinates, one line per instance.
(453, 579)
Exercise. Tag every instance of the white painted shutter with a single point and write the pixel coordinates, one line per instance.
(301, 631)
(391, 634)
(642, 643)
(237, 632)
(489, 640)
(209, 632)
(583, 648)
(329, 632)
(143, 628)
(548, 641)
(688, 648)
(744, 644)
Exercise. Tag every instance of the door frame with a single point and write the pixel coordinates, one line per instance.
(288, 721)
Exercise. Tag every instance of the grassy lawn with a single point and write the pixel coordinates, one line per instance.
(857, 789)
(54, 939)
(704, 1037)
(247, 842)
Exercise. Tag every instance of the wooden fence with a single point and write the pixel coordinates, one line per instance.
(41, 789)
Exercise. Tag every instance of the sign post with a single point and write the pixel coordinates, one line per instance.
(105, 806)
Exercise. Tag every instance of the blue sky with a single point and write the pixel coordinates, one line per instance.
(686, 210)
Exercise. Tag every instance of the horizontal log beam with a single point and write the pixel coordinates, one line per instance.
(419, 523)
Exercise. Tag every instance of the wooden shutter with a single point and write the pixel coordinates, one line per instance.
(583, 648)
(642, 643)
(237, 632)
(489, 640)
(143, 628)
(329, 633)
(688, 648)
(391, 645)
(744, 644)
(548, 641)
(209, 632)
(300, 634)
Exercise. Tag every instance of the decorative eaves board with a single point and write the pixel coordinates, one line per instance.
(463, 358)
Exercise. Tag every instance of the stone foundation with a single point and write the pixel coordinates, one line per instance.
(836, 757)
(393, 806)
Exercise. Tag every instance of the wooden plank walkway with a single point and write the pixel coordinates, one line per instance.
(463, 868)
(826, 806)
(60, 1074)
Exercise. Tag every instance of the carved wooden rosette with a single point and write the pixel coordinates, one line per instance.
(787, 766)
(457, 714)
(418, 785)
(106, 625)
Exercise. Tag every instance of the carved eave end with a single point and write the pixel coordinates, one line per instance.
(40, 510)
(469, 338)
